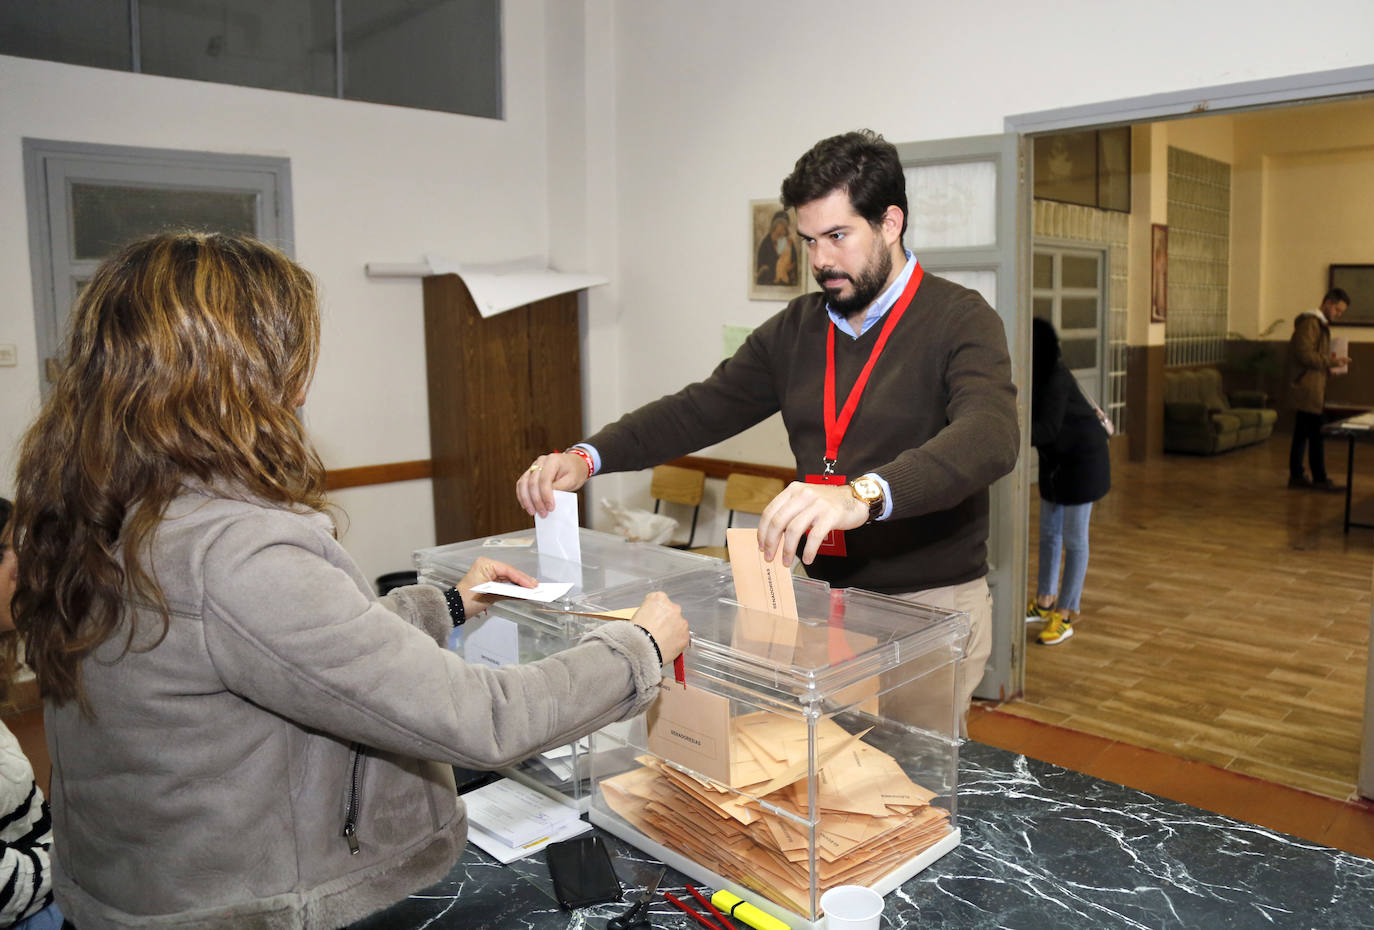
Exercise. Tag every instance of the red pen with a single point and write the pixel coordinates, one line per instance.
(724, 921)
(699, 918)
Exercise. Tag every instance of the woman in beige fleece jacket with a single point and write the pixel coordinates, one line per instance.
(242, 734)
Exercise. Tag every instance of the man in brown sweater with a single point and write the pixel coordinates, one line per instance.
(895, 389)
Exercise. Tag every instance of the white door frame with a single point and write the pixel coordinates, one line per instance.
(1221, 98)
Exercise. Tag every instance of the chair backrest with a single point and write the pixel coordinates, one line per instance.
(744, 494)
(750, 493)
(677, 485)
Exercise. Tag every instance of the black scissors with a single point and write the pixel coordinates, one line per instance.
(638, 914)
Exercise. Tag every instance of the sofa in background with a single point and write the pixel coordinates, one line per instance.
(1199, 418)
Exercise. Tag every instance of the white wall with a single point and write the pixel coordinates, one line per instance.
(717, 99)
(370, 183)
(1295, 171)
(1315, 172)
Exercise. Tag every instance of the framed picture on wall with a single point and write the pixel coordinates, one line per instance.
(1091, 168)
(1066, 167)
(1159, 272)
(777, 258)
(1358, 282)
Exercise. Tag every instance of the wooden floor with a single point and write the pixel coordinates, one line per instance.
(1225, 620)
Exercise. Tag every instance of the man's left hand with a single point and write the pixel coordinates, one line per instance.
(812, 510)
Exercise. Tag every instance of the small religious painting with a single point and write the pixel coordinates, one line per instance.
(777, 267)
(1159, 272)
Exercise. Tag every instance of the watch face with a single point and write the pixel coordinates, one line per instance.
(867, 489)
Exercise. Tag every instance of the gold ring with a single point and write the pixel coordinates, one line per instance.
(535, 468)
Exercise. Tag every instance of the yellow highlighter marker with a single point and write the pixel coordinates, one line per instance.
(741, 909)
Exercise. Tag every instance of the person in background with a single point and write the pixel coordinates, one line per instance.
(26, 900)
(894, 386)
(1309, 363)
(242, 734)
(1075, 471)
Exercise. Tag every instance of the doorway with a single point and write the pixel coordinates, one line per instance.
(1263, 295)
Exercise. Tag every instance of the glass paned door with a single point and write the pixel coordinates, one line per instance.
(1068, 289)
(963, 197)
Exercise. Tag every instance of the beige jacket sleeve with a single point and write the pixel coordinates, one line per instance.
(287, 627)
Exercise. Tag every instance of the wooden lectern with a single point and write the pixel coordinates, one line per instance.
(502, 390)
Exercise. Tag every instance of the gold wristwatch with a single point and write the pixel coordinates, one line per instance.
(869, 493)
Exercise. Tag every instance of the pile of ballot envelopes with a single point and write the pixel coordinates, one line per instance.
(872, 817)
(732, 792)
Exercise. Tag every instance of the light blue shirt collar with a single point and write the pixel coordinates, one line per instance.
(879, 307)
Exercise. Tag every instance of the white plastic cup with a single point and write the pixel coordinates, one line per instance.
(852, 907)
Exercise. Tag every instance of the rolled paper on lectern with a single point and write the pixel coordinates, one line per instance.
(742, 910)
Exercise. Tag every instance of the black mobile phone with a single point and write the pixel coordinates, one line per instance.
(582, 872)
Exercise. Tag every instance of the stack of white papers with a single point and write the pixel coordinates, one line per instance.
(510, 820)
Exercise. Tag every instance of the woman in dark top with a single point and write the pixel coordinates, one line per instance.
(1074, 471)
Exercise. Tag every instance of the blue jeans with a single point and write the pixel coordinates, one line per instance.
(1063, 528)
(50, 918)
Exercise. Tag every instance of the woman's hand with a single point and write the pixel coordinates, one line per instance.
(482, 571)
(557, 471)
(662, 618)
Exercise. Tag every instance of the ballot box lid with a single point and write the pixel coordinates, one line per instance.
(841, 636)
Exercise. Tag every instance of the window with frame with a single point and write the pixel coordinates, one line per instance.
(87, 201)
(427, 54)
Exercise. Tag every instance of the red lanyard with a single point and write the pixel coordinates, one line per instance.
(836, 427)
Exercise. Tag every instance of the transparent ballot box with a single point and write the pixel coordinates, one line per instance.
(514, 631)
(795, 755)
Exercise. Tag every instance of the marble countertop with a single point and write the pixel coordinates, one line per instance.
(1042, 847)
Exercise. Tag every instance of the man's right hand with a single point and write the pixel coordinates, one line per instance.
(557, 471)
(664, 620)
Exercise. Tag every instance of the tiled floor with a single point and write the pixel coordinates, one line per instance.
(1343, 824)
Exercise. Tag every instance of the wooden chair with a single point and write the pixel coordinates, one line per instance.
(744, 494)
(679, 486)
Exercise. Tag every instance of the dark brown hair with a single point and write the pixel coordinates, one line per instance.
(186, 356)
(861, 163)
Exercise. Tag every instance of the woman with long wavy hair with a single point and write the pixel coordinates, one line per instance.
(241, 732)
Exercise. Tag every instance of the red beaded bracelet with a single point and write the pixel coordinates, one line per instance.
(591, 466)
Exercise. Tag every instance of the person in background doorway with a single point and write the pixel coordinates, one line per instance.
(1309, 363)
(26, 899)
(1075, 471)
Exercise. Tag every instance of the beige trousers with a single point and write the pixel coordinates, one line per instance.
(974, 598)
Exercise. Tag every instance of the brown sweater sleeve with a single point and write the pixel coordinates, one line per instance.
(738, 394)
(982, 437)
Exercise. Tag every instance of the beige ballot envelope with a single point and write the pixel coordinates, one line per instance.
(760, 585)
(767, 586)
(690, 726)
